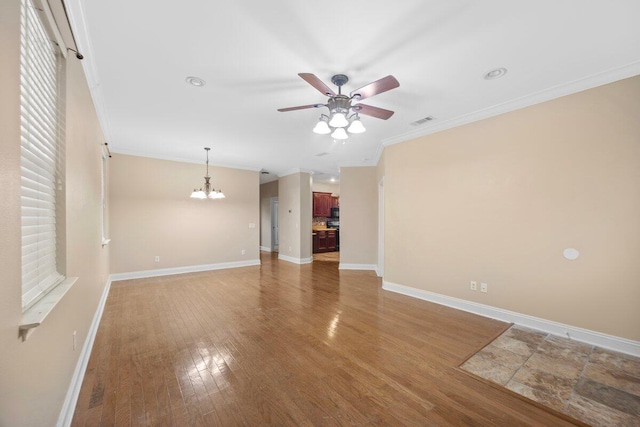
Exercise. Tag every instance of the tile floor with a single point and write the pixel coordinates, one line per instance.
(594, 385)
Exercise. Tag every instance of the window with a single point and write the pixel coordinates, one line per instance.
(42, 178)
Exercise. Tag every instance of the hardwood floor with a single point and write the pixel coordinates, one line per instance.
(327, 257)
(285, 344)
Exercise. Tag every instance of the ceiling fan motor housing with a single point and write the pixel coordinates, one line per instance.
(339, 79)
(339, 104)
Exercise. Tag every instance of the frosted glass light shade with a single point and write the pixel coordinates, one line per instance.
(340, 133)
(338, 121)
(322, 127)
(356, 126)
(216, 194)
(198, 194)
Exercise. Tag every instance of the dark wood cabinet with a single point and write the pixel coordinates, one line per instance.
(324, 241)
(335, 201)
(322, 204)
(331, 240)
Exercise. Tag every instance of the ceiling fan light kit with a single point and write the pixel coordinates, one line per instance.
(340, 134)
(339, 122)
(209, 192)
(322, 127)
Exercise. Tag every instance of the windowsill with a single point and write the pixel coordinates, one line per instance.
(105, 242)
(35, 315)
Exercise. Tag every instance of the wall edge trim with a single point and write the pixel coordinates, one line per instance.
(295, 260)
(569, 88)
(611, 342)
(71, 399)
(180, 270)
(348, 266)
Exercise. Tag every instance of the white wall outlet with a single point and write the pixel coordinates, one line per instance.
(484, 287)
(74, 340)
(473, 285)
(157, 258)
(252, 225)
(244, 252)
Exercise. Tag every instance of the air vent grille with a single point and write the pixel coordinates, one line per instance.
(422, 121)
(321, 154)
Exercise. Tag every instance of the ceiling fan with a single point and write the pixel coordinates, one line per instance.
(340, 105)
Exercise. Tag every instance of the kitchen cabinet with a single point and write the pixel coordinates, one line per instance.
(322, 204)
(331, 240)
(335, 201)
(324, 241)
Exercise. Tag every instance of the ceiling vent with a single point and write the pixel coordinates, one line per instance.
(321, 154)
(422, 121)
(264, 172)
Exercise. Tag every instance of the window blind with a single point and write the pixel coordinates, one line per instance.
(41, 180)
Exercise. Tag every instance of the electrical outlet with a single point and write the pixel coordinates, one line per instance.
(244, 252)
(473, 286)
(74, 340)
(483, 287)
(157, 258)
(252, 225)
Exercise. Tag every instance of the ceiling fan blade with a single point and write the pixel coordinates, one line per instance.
(379, 86)
(317, 83)
(301, 107)
(377, 112)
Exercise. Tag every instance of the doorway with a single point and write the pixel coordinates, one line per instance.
(274, 224)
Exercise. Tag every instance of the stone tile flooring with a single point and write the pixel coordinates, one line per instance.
(597, 386)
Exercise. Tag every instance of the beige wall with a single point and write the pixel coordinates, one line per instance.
(326, 187)
(36, 374)
(499, 200)
(267, 191)
(358, 215)
(152, 215)
(294, 215)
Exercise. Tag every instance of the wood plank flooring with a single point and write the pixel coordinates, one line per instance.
(284, 344)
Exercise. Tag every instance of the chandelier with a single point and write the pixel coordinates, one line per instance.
(209, 191)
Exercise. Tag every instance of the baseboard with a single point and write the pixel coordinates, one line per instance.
(599, 339)
(180, 270)
(70, 400)
(265, 248)
(346, 266)
(295, 260)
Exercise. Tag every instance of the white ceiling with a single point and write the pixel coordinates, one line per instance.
(138, 54)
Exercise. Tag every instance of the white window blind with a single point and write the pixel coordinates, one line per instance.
(41, 154)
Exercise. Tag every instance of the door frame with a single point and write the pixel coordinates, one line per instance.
(380, 266)
(274, 220)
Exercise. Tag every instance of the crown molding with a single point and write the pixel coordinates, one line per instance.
(295, 170)
(575, 86)
(181, 159)
(78, 22)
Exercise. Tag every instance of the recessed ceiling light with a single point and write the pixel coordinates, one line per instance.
(495, 74)
(333, 179)
(195, 81)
